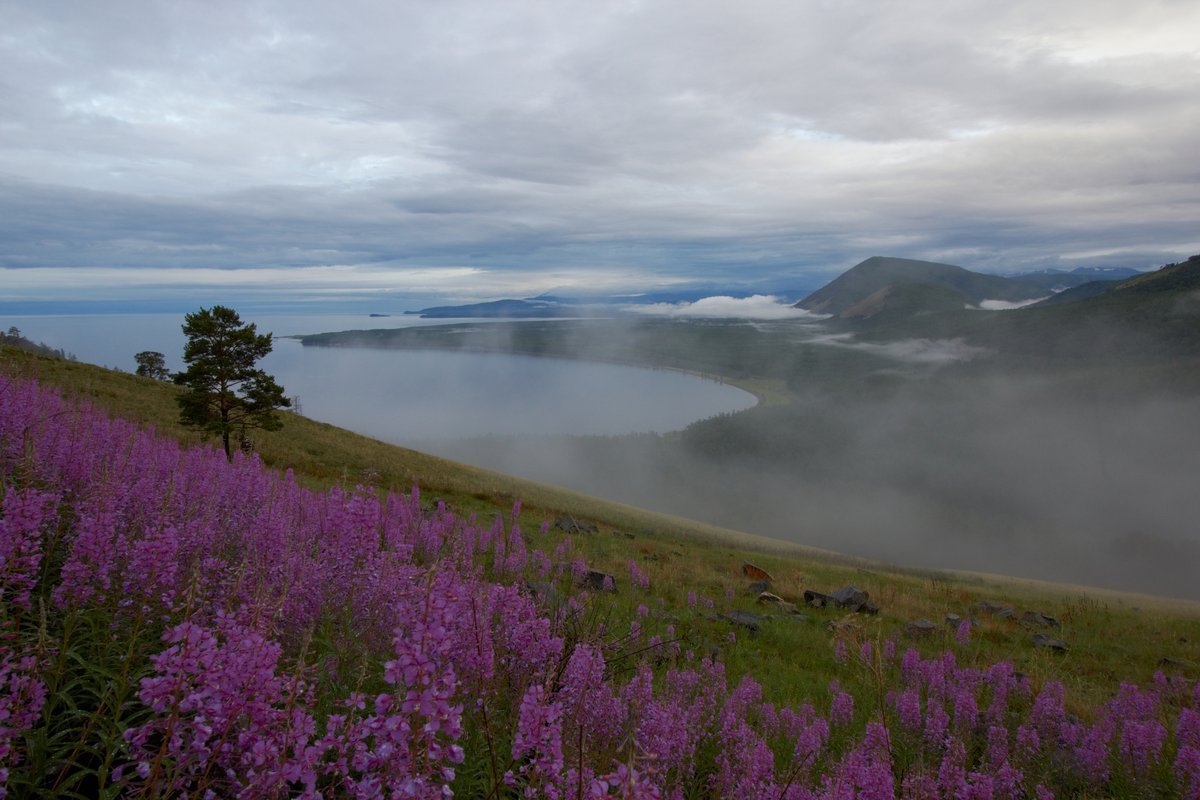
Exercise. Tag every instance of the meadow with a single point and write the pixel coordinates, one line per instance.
(334, 617)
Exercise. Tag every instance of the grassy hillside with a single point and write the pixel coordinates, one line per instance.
(878, 273)
(325, 577)
(1114, 635)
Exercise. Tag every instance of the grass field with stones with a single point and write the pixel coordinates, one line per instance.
(337, 617)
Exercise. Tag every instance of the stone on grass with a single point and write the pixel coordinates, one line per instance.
(995, 609)
(758, 587)
(757, 573)
(545, 592)
(1050, 643)
(570, 525)
(921, 629)
(854, 599)
(746, 619)
(600, 581)
(1036, 619)
(767, 598)
(816, 599)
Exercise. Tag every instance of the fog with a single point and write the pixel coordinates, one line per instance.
(927, 453)
(1068, 479)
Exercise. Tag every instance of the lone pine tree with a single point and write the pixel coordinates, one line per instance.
(227, 394)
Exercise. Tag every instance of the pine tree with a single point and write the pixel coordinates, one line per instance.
(227, 394)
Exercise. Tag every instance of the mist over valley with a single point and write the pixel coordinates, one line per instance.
(1055, 441)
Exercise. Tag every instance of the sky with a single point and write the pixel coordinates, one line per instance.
(376, 151)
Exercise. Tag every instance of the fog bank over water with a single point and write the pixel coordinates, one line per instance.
(1082, 476)
(1025, 477)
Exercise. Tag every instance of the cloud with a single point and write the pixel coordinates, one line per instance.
(917, 351)
(1005, 305)
(675, 140)
(757, 306)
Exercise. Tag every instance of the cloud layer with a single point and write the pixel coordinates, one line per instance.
(643, 143)
(757, 306)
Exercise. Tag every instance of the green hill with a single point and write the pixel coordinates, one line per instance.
(866, 280)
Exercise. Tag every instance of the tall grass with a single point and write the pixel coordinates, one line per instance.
(175, 625)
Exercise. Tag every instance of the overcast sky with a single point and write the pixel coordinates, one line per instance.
(471, 150)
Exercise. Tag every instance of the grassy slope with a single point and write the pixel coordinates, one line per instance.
(1113, 636)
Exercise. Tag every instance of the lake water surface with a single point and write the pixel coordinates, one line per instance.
(416, 397)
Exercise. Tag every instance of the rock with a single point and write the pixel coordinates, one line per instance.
(854, 599)
(600, 581)
(758, 587)
(953, 620)
(1047, 641)
(571, 525)
(545, 593)
(844, 625)
(995, 609)
(921, 629)
(817, 600)
(746, 619)
(757, 573)
(430, 511)
(1036, 619)
(1179, 664)
(766, 598)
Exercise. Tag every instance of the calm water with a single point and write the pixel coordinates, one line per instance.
(413, 398)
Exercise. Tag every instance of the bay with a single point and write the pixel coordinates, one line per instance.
(417, 398)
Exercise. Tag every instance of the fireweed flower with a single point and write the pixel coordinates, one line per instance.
(237, 567)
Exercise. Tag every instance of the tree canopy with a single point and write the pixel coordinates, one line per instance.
(227, 394)
(152, 364)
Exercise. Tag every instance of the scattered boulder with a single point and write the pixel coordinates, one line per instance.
(995, 609)
(845, 625)
(921, 629)
(816, 599)
(430, 511)
(758, 587)
(757, 573)
(1049, 642)
(570, 525)
(1178, 664)
(1036, 619)
(746, 619)
(600, 581)
(545, 592)
(953, 621)
(854, 599)
(767, 598)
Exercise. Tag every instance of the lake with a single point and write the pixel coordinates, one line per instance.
(416, 398)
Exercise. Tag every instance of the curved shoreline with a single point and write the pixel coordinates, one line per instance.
(759, 397)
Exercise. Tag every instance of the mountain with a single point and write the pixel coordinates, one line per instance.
(499, 308)
(1058, 280)
(872, 287)
(902, 300)
(1180, 277)
(1152, 315)
(1081, 292)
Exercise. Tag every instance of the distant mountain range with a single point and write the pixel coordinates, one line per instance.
(1047, 313)
(1145, 313)
(528, 309)
(554, 305)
